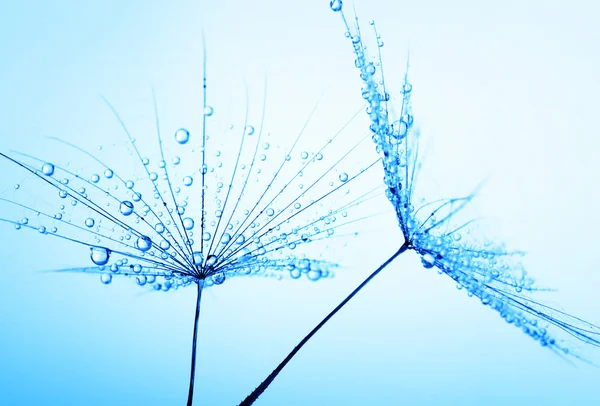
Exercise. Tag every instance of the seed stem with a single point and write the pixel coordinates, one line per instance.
(265, 384)
(195, 339)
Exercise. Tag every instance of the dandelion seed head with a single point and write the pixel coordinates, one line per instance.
(484, 269)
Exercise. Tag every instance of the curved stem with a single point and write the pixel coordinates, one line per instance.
(193, 367)
(265, 384)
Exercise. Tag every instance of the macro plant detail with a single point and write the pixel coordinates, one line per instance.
(483, 268)
(200, 211)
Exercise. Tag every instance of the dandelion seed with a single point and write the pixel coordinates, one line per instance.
(487, 271)
(167, 225)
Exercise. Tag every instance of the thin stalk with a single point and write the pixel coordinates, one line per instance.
(265, 384)
(193, 367)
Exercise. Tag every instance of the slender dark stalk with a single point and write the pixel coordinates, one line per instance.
(193, 367)
(265, 384)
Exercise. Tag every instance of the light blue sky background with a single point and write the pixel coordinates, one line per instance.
(502, 89)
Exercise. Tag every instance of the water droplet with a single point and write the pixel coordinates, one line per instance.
(399, 129)
(140, 280)
(153, 176)
(62, 194)
(225, 238)
(319, 156)
(143, 243)
(126, 208)
(206, 236)
(99, 255)
(89, 222)
(137, 268)
(42, 229)
(106, 278)
(129, 184)
(188, 223)
(249, 130)
(95, 178)
(176, 160)
(208, 111)
(17, 186)
(48, 169)
(335, 5)
(407, 88)
(211, 260)
(108, 173)
(197, 258)
(314, 274)
(270, 212)
(218, 278)
(182, 136)
(304, 155)
(187, 181)
(427, 260)
(343, 177)
(295, 273)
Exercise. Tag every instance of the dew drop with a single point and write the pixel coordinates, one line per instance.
(270, 212)
(208, 111)
(48, 169)
(140, 280)
(319, 156)
(211, 260)
(304, 155)
(249, 130)
(137, 268)
(99, 255)
(314, 274)
(126, 208)
(427, 260)
(225, 238)
(218, 278)
(187, 181)
(143, 243)
(106, 278)
(399, 129)
(95, 178)
(206, 236)
(335, 5)
(108, 173)
(129, 184)
(62, 194)
(197, 258)
(182, 136)
(188, 223)
(343, 177)
(89, 222)
(176, 160)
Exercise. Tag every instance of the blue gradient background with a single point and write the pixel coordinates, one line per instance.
(507, 89)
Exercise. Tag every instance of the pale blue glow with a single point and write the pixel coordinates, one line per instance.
(506, 91)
